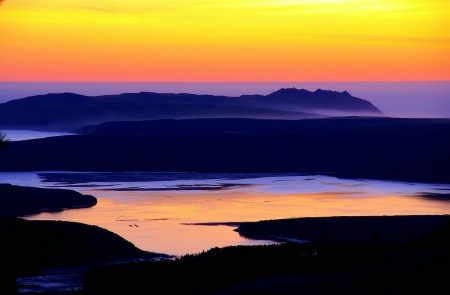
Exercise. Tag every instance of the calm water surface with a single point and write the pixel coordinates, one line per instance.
(157, 211)
(19, 135)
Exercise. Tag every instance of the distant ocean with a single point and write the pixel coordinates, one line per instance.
(424, 99)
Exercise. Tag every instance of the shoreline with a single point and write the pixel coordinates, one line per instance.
(348, 229)
(22, 201)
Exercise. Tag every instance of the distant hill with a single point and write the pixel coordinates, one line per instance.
(68, 111)
(171, 127)
(355, 147)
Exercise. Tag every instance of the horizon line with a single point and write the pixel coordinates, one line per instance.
(284, 81)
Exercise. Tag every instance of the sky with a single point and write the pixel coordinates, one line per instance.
(224, 40)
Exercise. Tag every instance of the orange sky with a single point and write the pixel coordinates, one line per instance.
(220, 40)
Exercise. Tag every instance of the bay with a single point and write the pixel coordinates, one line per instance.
(161, 212)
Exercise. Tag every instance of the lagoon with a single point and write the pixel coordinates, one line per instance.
(161, 212)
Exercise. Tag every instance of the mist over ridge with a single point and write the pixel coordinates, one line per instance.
(406, 99)
(67, 111)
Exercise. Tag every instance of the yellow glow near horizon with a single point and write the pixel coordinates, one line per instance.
(207, 40)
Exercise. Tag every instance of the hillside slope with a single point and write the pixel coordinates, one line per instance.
(416, 150)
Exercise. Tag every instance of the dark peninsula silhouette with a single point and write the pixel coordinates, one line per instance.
(18, 201)
(68, 111)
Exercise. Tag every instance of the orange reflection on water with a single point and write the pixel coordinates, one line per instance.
(156, 221)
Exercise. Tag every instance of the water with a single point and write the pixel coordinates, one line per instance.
(161, 212)
(59, 280)
(19, 135)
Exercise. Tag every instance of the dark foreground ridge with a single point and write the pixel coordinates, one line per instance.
(68, 111)
(416, 264)
(373, 148)
(30, 247)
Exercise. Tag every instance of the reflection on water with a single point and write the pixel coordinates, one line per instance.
(53, 280)
(158, 211)
(19, 135)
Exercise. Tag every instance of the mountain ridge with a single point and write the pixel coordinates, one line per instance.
(67, 111)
